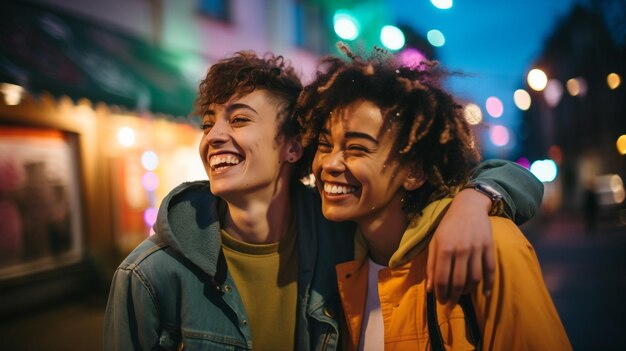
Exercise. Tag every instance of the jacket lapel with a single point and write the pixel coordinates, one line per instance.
(352, 280)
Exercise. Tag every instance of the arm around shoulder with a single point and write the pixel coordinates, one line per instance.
(521, 191)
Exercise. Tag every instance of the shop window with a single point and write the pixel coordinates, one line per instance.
(310, 31)
(40, 201)
(217, 9)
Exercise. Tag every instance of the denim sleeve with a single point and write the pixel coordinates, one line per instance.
(131, 319)
(521, 191)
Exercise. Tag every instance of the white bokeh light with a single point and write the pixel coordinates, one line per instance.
(442, 4)
(345, 26)
(473, 114)
(149, 160)
(126, 136)
(537, 79)
(435, 38)
(522, 99)
(392, 37)
(544, 170)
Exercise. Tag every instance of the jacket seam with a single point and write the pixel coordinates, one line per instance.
(134, 269)
(148, 287)
(132, 265)
(213, 337)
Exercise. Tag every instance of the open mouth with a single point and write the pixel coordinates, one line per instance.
(338, 189)
(223, 162)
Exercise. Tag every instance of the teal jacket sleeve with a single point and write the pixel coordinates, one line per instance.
(521, 191)
(131, 319)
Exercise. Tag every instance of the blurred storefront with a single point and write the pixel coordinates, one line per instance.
(95, 129)
(95, 125)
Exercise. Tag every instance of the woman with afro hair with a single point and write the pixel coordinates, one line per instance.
(389, 149)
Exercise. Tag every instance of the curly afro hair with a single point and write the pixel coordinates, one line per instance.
(433, 132)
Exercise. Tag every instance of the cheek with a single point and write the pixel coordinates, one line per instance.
(316, 166)
(203, 147)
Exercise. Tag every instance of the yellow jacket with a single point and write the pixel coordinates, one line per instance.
(519, 314)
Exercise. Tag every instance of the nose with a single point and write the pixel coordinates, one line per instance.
(333, 162)
(218, 134)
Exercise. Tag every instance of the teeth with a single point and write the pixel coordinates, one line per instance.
(223, 160)
(338, 189)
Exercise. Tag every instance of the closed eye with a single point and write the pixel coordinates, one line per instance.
(323, 145)
(239, 119)
(206, 127)
(358, 149)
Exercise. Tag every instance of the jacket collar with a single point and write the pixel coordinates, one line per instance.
(188, 222)
(416, 236)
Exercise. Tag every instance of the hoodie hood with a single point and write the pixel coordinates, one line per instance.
(416, 236)
(188, 222)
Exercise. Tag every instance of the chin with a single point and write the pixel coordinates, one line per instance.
(335, 215)
(219, 189)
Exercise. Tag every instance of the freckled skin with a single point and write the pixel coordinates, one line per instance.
(340, 158)
(250, 133)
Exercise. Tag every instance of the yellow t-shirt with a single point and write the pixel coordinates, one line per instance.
(266, 277)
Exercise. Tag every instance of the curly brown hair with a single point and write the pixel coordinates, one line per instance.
(242, 73)
(433, 132)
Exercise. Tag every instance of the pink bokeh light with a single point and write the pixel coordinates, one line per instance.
(150, 181)
(494, 107)
(150, 216)
(499, 135)
(411, 57)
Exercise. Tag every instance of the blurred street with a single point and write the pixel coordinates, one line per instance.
(585, 274)
(102, 109)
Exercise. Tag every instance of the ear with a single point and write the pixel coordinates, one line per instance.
(415, 178)
(294, 149)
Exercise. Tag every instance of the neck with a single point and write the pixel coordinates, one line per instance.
(383, 231)
(260, 217)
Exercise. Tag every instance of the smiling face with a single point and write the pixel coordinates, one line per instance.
(240, 150)
(356, 177)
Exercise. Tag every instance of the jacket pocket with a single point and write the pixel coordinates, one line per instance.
(195, 340)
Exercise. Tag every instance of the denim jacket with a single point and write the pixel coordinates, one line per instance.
(175, 287)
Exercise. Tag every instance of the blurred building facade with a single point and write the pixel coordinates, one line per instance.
(577, 119)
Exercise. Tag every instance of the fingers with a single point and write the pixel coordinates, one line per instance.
(475, 271)
(441, 274)
(455, 272)
(459, 276)
(489, 268)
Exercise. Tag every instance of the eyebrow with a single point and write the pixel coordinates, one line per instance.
(240, 106)
(233, 107)
(359, 135)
